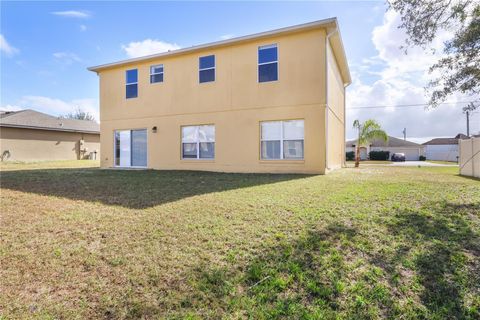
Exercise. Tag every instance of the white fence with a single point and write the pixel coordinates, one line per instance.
(442, 152)
(470, 157)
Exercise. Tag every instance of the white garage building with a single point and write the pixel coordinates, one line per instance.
(443, 149)
(412, 150)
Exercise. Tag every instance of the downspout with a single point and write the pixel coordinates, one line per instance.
(327, 38)
(344, 124)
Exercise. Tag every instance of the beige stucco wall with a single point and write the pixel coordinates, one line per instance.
(39, 145)
(336, 113)
(237, 140)
(235, 103)
(469, 160)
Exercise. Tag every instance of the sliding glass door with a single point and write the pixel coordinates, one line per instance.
(139, 148)
(131, 148)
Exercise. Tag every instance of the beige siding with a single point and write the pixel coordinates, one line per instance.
(235, 103)
(39, 145)
(236, 87)
(336, 114)
(237, 145)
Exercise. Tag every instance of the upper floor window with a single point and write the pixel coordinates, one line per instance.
(267, 63)
(156, 73)
(206, 69)
(131, 83)
(282, 139)
(198, 142)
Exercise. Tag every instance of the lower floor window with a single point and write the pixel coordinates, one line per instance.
(198, 142)
(282, 140)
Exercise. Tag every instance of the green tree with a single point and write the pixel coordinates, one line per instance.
(367, 132)
(79, 114)
(459, 68)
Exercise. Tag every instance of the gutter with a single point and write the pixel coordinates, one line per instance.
(47, 128)
(345, 122)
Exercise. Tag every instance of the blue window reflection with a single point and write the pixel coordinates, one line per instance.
(132, 76)
(207, 75)
(268, 63)
(206, 69)
(268, 72)
(267, 54)
(207, 62)
(132, 91)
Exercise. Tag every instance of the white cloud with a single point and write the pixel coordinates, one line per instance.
(399, 79)
(6, 48)
(57, 107)
(83, 27)
(10, 107)
(67, 57)
(72, 14)
(148, 47)
(226, 36)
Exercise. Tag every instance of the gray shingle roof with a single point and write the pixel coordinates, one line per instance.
(392, 142)
(443, 141)
(32, 119)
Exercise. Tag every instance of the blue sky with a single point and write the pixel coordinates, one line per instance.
(47, 46)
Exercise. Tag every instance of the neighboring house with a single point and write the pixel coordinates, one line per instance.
(267, 102)
(412, 150)
(444, 149)
(29, 135)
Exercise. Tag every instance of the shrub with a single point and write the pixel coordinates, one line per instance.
(422, 158)
(379, 155)
(350, 155)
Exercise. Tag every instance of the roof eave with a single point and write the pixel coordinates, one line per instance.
(47, 128)
(339, 51)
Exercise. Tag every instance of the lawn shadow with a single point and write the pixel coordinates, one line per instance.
(443, 251)
(468, 177)
(305, 278)
(327, 274)
(136, 189)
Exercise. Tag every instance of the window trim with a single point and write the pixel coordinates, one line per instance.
(154, 74)
(282, 139)
(203, 69)
(267, 46)
(197, 143)
(130, 83)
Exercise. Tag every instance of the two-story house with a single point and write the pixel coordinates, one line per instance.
(267, 102)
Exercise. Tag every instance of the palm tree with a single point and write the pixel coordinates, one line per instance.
(367, 132)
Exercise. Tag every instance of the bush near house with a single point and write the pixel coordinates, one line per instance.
(350, 155)
(422, 158)
(379, 155)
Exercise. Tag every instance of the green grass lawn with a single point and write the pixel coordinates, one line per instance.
(374, 242)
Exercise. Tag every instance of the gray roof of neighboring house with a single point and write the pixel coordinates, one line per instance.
(392, 143)
(31, 119)
(444, 141)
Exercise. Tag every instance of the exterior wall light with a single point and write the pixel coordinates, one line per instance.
(154, 129)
